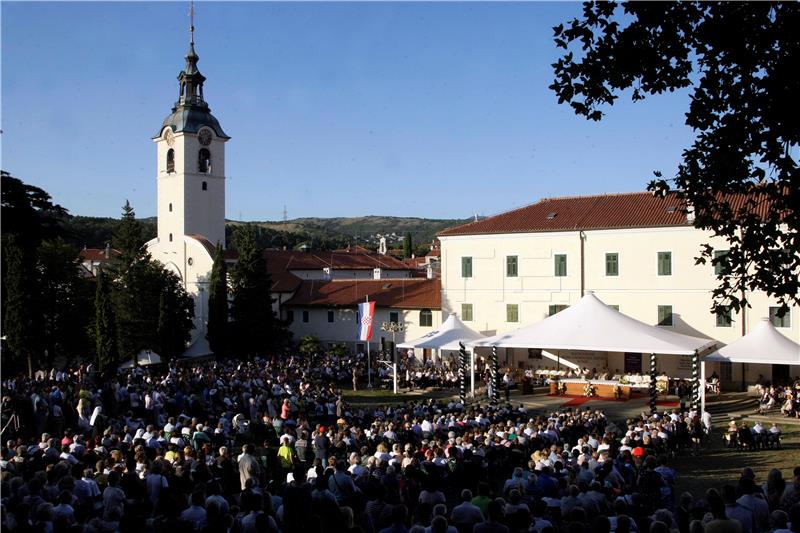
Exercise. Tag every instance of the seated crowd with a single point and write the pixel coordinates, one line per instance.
(272, 446)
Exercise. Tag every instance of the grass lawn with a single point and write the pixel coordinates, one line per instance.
(717, 465)
(375, 397)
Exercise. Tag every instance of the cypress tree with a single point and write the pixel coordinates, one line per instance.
(253, 325)
(105, 331)
(407, 245)
(217, 329)
(22, 314)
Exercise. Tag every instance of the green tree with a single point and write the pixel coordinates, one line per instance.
(65, 299)
(21, 324)
(408, 246)
(104, 329)
(217, 329)
(309, 345)
(739, 61)
(253, 321)
(175, 313)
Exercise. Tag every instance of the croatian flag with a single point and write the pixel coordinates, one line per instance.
(366, 312)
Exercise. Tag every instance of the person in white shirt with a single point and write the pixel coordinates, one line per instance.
(466, 514)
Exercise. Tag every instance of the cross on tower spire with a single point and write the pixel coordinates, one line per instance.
(191, 22)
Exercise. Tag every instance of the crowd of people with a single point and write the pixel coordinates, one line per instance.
(268, 445)
(784, 398)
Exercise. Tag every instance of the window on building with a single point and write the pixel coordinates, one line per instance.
(170, 207)
(512, 266)
(305, 317)
(780, 320)
(724, 318)
(330, 315)
(664, 263)
(612, 264)
(614, 307)
(289, 316)
(394, 316)
(721, 264)
(170, 237)
(665, 315)
(561, 265)
(170, 160)
(466, 312)
(204, 161)
(205, 185)
(466, 267)
(512, 313)
(553, 309)
(426, 318)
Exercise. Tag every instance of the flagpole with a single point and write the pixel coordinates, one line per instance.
(369, 364)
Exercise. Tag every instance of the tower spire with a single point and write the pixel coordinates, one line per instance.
(191, 22)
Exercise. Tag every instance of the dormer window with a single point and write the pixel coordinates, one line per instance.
(170, 161)
(204, 161)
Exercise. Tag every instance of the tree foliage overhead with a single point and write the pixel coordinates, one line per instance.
(739, 61)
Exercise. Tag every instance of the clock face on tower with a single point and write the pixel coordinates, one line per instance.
(204, 136)
(169, 137)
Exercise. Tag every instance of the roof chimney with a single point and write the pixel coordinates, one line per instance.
(690, 213)
(429, 271)
(108, 251)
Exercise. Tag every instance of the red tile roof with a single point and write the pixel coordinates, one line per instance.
(95, 254)
(284, 282)
(607, 211)
(404, 293)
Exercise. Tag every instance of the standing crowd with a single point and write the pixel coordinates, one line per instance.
(269, 445)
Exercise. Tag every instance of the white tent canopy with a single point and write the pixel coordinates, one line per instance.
(145, 358)
(199, 348)
(764, 344)
(593, 326)
(447, 337)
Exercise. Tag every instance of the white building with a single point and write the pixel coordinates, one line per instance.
(190, 151)
(635, 251)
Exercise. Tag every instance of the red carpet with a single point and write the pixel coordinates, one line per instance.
(577, 401)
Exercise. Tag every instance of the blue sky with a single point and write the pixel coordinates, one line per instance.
(334, 109)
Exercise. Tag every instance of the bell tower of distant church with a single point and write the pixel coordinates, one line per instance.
(190, 148)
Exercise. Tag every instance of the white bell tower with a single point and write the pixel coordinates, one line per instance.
(191, 163)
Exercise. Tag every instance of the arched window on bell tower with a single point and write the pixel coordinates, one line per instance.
(204, 161)
(170, 161)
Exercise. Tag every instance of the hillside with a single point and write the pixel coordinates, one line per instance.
(318, 233)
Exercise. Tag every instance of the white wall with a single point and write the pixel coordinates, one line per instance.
(344, 328)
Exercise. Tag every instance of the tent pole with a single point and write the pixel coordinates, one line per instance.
(462, 363)
(653, 392)
(472, 372)
(702, 388)
(695, 381)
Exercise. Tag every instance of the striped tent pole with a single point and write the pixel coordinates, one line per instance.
(695, 381)
(495, 367)
(462, 374)
(653, 392)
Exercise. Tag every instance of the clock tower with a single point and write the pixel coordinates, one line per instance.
(191, 163)
(190, 151)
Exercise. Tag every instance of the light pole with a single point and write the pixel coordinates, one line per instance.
(393, 328)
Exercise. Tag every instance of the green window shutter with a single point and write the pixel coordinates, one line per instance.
(466, 267)
(394, 317)
(665, 315)
(724, 318)
(664, 263)
(553, 309)
(512, 266)
(512, 313)
(780, 321)
(614, 307)
(466, 312)
(561, 265)
(721, 265)
(612, 264)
